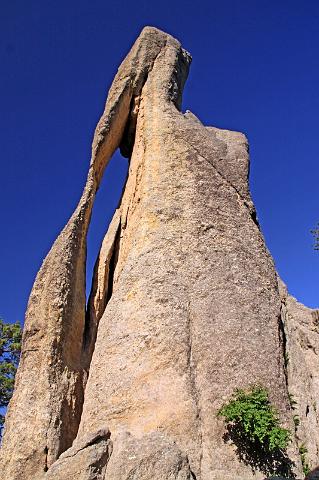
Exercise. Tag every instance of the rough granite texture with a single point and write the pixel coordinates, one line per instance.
(152, 457)
(85, 460)
(185, 307)
(301, 326)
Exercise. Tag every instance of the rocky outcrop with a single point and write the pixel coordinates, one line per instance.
(152, 457)
(85, 460)
(184, 307)
(301, 327)
(45, 411)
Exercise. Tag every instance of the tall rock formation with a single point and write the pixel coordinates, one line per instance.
(301, 337)
(185, 306)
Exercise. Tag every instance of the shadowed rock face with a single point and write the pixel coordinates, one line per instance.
(301, 328)
(313, 475)
(184, 306)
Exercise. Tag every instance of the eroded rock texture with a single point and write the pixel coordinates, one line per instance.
(184, 306)
(301, 326)
(151, 457)
(85, 460)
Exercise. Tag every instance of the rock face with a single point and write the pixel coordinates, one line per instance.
(152, 457)
(301, 327)
(184, 308)
(85, 460)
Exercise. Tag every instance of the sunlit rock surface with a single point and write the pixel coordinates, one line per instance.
(184, 307)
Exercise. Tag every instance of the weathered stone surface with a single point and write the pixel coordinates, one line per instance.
(152, 457)
(85, 460)
(195, 304)
(302, 356)
(45, 411)
(184, 307)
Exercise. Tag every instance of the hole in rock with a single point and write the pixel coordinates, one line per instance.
(106, 202)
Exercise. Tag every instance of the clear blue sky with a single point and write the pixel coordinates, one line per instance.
(255, 69)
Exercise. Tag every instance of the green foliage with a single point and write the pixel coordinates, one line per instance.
(305, 466)
(256, 419)
(315, 233)
(10, 347)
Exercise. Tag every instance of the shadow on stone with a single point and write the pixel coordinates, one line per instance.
(259, 457)
(313, 475)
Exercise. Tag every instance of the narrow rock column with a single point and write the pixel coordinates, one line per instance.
(44, 413)
(301, 328)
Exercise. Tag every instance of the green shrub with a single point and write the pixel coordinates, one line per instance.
(256, 419)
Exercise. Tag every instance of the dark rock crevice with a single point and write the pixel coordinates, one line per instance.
(128, 138)
(94, 311)
(283, 340)
(46, 451)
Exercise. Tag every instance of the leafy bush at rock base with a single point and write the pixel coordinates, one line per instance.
(253, 426)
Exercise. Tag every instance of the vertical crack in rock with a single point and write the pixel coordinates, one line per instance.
(113, 263)
(283, 339)
(127, 143)
(193, 382)
(101, 288)
(46, 459)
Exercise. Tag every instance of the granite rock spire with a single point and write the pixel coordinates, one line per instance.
(185, 304)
